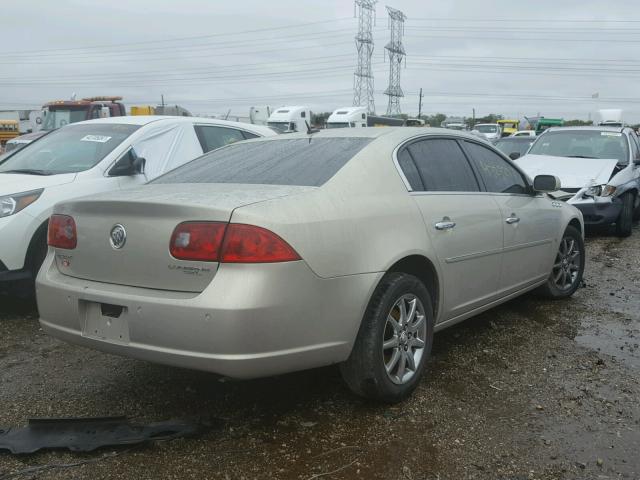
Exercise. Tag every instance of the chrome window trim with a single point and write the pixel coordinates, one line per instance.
(454, 137)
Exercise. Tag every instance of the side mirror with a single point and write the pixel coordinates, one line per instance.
(129, 164)
(514, 155)
(546, 183)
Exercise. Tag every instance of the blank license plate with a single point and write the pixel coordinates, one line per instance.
(105, 322)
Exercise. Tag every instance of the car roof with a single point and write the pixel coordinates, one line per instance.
(143, 120)
(594, 128)
(393, 134)
(521, 138)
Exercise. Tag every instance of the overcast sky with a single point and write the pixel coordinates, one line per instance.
(510, 57)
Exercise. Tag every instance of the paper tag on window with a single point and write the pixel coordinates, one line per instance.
(610, 134)
(95, 138)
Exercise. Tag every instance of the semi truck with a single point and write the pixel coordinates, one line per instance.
(290, 119)
(357, 117)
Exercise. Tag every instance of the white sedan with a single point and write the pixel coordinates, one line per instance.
(91, 157)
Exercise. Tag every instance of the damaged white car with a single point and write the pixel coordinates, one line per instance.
(599, 169)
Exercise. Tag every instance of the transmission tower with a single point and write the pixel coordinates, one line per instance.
(397, 54)
(363, 77)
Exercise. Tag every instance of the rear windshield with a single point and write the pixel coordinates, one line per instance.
(304, 162)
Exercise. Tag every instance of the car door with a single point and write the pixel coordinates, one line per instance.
(464, 225)
(530, 222)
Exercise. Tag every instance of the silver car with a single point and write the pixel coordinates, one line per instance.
(349, 246)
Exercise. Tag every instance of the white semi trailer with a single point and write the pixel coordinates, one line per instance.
(290, 119)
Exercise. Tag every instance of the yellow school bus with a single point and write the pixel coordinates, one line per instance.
(8, 129)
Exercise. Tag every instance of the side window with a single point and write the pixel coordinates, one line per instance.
(442, 166)
(248, 135)
(212, 137)
(498, 175)
(410, 171)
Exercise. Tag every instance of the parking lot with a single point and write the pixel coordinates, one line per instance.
(532, 389)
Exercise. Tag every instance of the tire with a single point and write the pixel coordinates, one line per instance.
(36, 255)
(365, 371)
(624, 224)
(568, 268)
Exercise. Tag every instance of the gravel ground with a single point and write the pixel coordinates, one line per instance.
(530, 390)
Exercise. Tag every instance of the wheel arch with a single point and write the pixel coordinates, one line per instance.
(425, 270)
(40, 233)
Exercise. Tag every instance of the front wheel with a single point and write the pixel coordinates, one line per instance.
(624, 224)
(394, 341)
(568, 267)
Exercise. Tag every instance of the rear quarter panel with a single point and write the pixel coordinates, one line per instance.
(363, 220)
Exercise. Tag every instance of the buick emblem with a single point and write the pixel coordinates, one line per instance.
(118, 237)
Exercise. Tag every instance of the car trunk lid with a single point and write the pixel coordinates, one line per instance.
(148, 215)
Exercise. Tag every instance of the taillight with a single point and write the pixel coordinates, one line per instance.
(251, 244)
(62, 232)
(229, 243)
(197, 241)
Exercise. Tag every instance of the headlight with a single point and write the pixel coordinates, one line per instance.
(594, 191)
(10, 204)
(608, 191)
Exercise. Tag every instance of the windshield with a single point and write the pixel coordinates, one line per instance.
(59, 118)
(583, 144)
(68, 150)
(510, 146)
(486, 128)
(337, 125)
(302, 162)
(280, 127)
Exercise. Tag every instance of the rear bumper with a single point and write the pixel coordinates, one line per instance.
(597, 210)
(251, 321)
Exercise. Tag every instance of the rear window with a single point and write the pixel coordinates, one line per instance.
(303, 162)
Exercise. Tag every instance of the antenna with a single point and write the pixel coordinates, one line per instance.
(363, 94)
(397, 54)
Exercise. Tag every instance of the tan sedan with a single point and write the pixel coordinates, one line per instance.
(347, 247)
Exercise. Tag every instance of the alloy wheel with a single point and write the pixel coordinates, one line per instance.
(567, 265)
(404, 339)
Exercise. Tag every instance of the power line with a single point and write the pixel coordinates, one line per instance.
(178, 39)
(178, 48)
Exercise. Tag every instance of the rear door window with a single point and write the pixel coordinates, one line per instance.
(442, 166)
(304, 162)
(212, 137)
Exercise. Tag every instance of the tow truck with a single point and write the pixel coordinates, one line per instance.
(59, 113)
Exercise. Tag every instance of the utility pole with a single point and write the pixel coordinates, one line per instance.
(363, 93)
(397, 54)
(162, 98)
(473, 122)
(420, 105)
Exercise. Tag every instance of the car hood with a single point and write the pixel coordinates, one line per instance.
(572, 172)
(17, 183)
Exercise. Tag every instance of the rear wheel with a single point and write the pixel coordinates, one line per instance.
(624, 224)
(394, 341)
(568, 267)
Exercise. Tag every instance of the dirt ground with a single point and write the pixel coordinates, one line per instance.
(530, 390)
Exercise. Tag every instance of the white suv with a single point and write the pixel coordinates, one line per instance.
(91, 157)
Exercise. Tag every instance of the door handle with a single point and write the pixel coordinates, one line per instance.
(445, 224)
(513, 219)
